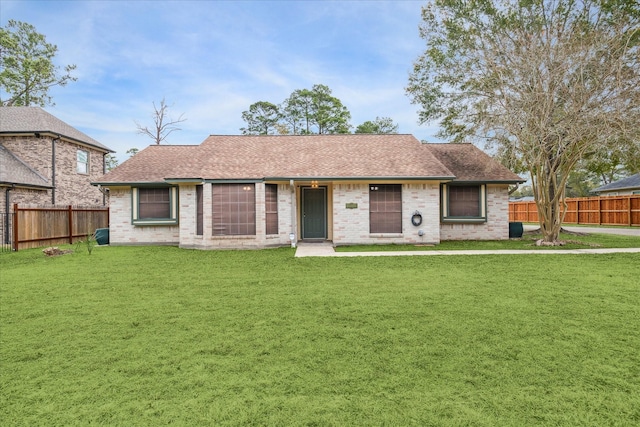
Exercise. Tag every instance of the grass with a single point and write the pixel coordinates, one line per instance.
(528, 240)
(161, 335)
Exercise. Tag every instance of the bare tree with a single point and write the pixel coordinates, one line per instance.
(163, 124)
(545, 82)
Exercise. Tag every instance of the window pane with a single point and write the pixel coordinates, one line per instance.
(234, 209)
(271, 208)
(153, 203)
(199, 211)
(82, 161)
(385, 208)
(464, 201)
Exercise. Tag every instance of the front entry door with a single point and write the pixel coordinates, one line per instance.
(314, 213)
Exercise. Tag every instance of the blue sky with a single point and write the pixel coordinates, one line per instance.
(212, 59)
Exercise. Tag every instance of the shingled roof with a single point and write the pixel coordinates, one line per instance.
(20, 120)
(470, 164)
(629, 183)
(15, 171)
(349, 156)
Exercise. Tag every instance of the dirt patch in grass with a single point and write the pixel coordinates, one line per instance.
(56, 251)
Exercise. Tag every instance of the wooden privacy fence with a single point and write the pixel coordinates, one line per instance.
(604, 210)
(43, 226)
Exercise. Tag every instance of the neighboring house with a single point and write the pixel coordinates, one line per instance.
(626, 186)
(260, 191)
(44, 161)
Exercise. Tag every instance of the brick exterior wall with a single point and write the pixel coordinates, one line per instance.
(497, 225)
(346, 226)
(189, 239)
(72, 188)
(23, 197)
(351, 226)
(123, 232)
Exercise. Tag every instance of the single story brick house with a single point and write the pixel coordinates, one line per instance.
(626, 186)
(262, 191)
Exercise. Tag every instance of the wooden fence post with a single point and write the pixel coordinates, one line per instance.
(70, 213)
(15, 227)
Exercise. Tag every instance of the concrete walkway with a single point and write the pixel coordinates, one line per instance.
(326, 250)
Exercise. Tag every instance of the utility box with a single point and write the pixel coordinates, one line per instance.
(102, 236)
(515, 230)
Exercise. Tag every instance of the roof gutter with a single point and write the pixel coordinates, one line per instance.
(504, 182)
(53, 168)
(57, 135)
(359, 178)
(131, 184)
(26, 186)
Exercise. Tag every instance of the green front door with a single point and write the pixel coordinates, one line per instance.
(314, 213)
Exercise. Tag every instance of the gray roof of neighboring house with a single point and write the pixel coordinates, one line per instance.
(17, 120)
(15, 171)
(344, 156)
(628, 183)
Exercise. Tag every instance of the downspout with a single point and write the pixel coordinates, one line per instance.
(7, 209)
(104, 171)
(292, 235)
(53, 169)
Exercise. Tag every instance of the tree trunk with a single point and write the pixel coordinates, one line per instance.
(548, 195)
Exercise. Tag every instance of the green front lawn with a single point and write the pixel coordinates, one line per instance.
(528, 241)
(161, 335)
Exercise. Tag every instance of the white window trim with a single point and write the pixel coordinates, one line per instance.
(86, 164)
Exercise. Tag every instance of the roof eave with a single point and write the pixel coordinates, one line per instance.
(490, 181)
(359, 178)
(25, 186)
(129, 183)
(596, 190)
(183, 180)
(56, 135)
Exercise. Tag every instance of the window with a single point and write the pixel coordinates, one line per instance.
(154, 205)
(271, 208)
(82, 162)
(385, 208)
(234, 209)
(199, 211)
(463, 203)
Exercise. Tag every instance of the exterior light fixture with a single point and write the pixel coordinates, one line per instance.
(314, 184)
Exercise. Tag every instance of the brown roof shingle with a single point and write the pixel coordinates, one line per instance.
(470, 164)
(318, 156)
(15, 171)
(349, 156)
(155, 163)
(34, 119)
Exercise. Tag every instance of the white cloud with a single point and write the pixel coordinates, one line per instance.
(212, 60)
